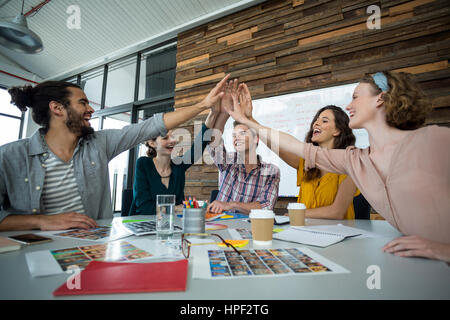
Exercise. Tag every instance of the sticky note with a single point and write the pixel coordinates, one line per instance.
(235, 243)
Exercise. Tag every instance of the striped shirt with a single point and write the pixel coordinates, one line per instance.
(60, 192)
(236, 185)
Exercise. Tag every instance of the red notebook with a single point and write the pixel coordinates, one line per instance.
(118, 277)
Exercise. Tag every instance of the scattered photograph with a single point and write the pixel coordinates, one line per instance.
(262, 262)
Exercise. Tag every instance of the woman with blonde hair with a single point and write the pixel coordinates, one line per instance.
(404, 173)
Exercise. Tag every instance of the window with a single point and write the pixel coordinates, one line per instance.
(92, 84)
(118, 167)
(72, 79)
(157, 75)
(120, 84)
(10, 119)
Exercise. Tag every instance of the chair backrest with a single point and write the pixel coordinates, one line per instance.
(362, 207)
(127, 199)
(213, 196)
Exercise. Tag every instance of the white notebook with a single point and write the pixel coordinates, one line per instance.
(319, 237)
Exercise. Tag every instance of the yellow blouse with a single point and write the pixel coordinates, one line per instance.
(321, 192)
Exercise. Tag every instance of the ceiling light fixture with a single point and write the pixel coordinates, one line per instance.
(16, 36)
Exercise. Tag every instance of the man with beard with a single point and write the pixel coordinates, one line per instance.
(58, 178)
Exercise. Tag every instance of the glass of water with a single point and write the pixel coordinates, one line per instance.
(165, 211)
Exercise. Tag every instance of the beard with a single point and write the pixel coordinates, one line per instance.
(75, 124)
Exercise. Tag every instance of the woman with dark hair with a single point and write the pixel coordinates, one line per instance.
(404, 173)
(326, 195)
(157, 173)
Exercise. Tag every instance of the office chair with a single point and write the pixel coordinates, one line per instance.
(127, 203)
(213, 196)
(362, 207)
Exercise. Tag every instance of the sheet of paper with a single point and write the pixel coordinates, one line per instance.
(50, 262)
(346, 230)
(226, 264)
(312, 238)
(101, 234)
(281, 219)
(240, 234)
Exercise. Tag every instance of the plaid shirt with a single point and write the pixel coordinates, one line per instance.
(260, 184)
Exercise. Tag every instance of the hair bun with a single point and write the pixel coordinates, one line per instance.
(22, 97)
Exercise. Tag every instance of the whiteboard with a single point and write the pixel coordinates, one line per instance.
(293, 113)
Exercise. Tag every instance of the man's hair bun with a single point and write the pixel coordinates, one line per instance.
(22, 97)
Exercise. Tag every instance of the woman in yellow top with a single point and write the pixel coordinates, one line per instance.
(327, 195)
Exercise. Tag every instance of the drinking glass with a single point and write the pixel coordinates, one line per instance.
(165, 212)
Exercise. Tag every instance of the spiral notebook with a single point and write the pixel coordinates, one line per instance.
(318, 237)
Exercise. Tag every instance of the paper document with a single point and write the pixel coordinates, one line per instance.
(316, 236)
(227, 264)
(50, 262)
(100, 234)
(281, 219)
(346, 230)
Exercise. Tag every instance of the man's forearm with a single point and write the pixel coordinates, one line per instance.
(181, 115)
(245, 207)
(15, 222)
(222, 119)
(219, 125)
(211, 119)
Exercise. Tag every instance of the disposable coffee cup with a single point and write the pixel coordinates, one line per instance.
(262, 226)
(296, 214)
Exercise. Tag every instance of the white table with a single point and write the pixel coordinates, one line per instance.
(401, 278)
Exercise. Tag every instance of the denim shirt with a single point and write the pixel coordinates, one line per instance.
(22, 171)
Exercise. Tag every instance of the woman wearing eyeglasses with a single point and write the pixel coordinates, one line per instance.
(404, 174)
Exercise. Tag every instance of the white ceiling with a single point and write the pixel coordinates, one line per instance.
(109, 29)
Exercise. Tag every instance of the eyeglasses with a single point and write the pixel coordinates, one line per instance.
(186, 244)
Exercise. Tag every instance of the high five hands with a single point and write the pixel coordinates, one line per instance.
(236, 100)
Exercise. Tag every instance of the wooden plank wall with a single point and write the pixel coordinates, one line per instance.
(285, 46)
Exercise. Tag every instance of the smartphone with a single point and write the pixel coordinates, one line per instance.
(30, 238)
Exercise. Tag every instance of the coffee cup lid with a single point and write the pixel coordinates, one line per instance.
(261, 214)
(296, 206)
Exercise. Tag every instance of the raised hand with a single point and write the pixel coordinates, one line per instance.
(216, 93)
(227, 100)
(237, 112)
(245, 99)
